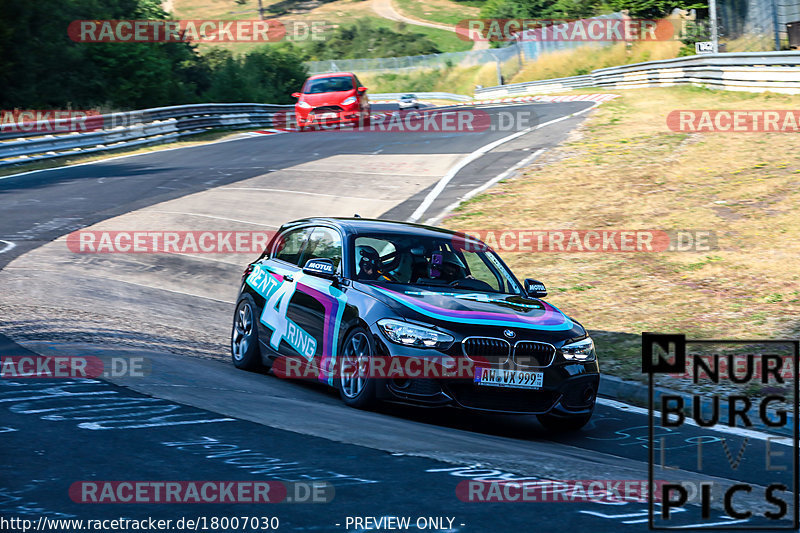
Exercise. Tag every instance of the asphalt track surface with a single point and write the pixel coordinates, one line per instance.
(171, 423)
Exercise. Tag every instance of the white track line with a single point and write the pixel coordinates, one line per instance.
(8, 247)
(740, 432)
(434, 221)
(440, 186)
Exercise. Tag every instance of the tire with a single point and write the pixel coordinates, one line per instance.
(245, 352)
(356, 352)
(564, 424)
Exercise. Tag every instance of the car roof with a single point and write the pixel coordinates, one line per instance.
(331, 75)
(357, 226)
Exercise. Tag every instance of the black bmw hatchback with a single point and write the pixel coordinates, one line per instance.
(390, 311)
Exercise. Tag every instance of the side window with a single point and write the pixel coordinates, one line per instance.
(289, 245)
(479, 270)
(358, 82)
(324, 243)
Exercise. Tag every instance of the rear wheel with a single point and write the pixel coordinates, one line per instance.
(244, 335)
(356, 387)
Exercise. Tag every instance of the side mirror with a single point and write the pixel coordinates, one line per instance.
(322, 268)
(296, 95)
(362, 90)
(535, 289)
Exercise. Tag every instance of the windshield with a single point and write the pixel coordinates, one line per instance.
(446, 263)
(328, 85)
(408, 97)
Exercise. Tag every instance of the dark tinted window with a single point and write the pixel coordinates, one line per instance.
(328, 85)
(446, 262)
(289, 245)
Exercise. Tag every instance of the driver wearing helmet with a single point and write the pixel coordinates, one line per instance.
(369, 264)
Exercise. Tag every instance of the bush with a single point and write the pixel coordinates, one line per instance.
(40, 67)
(363, 39)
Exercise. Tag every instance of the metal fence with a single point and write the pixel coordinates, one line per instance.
(755, 25)
(740, 71)
(37, 141)
(526, 48)
(377, 97)
(431, 61)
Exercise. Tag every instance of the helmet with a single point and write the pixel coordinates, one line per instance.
(368, 262)
(452, 268)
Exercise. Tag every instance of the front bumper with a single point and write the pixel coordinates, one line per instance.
(327, 118)
(569, 388)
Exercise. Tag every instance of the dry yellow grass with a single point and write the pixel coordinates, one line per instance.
(458, 80)
(624, 169)
(587, 58)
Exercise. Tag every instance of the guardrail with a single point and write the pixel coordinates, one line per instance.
(421, 96)
(135, 128)
(734, 71)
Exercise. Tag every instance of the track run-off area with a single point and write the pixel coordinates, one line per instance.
(174, 310)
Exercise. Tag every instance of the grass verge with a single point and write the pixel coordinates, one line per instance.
(439, 11)
(624, 169)
(583, 60)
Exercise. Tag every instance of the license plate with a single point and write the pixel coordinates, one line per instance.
(517, 379)
(324, 116)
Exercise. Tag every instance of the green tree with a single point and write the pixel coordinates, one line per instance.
(364, 39)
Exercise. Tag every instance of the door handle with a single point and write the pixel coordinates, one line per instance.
(288, 277)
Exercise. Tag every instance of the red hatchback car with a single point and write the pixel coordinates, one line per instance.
(332, 98)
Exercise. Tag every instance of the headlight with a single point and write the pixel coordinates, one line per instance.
(579, 351)
(304, 105)
(349, 100)
(407, 334)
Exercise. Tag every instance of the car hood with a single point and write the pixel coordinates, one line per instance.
(322, 99)
(472, 308)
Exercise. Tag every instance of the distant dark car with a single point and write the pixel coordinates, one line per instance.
(408, 101)
(328, 99)
(329, 291)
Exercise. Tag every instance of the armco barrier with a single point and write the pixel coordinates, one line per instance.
(147, 126)
(735, 71)
(421, 96)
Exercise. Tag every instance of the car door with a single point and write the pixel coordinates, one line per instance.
(319, 302)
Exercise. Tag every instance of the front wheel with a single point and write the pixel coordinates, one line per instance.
(356, 387)
(244, 335)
